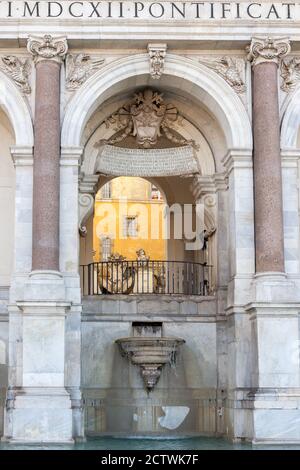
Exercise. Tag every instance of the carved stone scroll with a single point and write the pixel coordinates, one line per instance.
(86, 209)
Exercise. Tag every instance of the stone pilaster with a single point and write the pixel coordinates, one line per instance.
(265, 55)
(274, 395)
(38, 405)
(48, 54)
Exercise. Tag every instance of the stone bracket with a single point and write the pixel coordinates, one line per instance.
(86, 209)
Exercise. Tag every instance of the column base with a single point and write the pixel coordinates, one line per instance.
(45, 286)
(38, 415)
(264, 416)
(275, 287)
(276, 416)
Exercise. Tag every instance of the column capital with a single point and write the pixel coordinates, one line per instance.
(267, 50)
(47, 48)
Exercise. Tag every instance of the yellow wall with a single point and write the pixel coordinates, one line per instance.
(129, 197)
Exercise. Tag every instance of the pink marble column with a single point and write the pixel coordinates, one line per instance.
(264, 55)
(48, 54)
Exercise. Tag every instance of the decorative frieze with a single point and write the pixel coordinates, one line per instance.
(229, 68)
(47, 48)
(79, 68)
(267, 50)
(18, 70)
(157, 54)
(290, 73)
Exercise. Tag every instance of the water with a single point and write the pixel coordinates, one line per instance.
(109, 443)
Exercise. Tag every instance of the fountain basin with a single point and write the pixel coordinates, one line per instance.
(151, 354)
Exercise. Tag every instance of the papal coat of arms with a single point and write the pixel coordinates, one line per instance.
(146, 117)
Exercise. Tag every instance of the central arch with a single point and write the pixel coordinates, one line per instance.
(202, 83)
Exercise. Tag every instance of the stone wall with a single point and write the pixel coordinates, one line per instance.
(3, 352)
(185, 400)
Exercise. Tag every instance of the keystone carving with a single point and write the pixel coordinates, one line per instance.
(79, 68)
(18, 70)
(157, 54)
(232, 70)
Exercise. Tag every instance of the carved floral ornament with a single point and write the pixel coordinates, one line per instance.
(146, 118)
(47, 47)
(267, 50)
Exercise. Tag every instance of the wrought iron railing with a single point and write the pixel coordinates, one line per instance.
(145, 277)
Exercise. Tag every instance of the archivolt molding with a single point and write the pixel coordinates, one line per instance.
(17, 110)
(204, 85)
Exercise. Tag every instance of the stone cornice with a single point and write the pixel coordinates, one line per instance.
(22, 156)
(71, 156)
(209, 184)
(236, 158)
(47, 48)
(267, 50)
(88, 183)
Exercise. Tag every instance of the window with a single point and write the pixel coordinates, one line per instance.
(155, 193)
(130, 226)
(106, 248)
(106, 191)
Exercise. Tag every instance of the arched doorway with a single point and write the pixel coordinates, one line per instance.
(214, 118)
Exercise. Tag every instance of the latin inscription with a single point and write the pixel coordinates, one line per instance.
(148, 10)
(140, 162)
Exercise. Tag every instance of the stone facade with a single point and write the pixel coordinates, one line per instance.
(234, 84)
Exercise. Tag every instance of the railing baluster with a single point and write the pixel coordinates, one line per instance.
(145, 277)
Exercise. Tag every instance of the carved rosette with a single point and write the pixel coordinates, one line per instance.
(157, 54)
(47, 48)
(267, 50)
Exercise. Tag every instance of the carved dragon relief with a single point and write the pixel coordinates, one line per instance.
(18, 70)
(147, 117)
(231, 69)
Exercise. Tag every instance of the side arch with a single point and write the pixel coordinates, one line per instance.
(17, 110)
